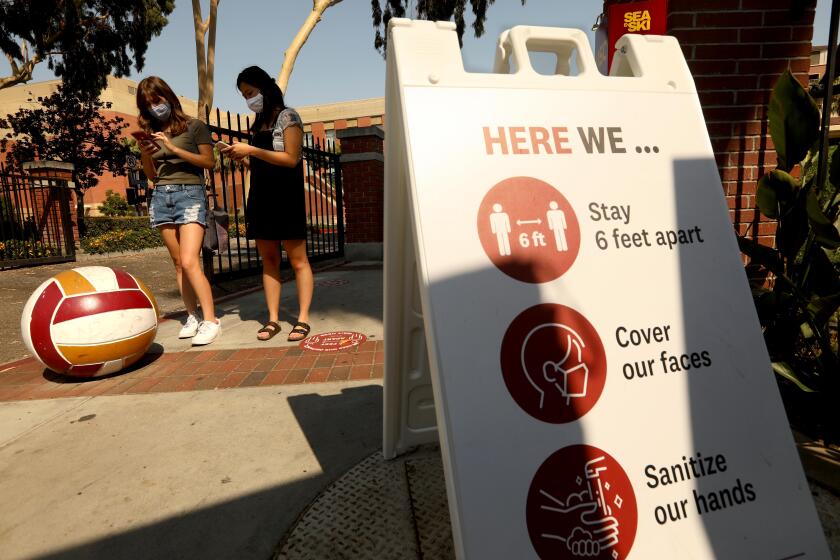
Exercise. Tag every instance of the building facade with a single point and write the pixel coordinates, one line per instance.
(320, 121)
(819, 59)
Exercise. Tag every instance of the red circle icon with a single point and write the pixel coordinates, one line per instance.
(333, 341)
(528, 229)
(581, 505)
(553, 363)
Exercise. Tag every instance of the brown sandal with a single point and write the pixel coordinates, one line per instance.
(267, 328)
(300, 328)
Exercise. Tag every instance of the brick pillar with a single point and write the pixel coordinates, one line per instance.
(58, 203)
(363, 179)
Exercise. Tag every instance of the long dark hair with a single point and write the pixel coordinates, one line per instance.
(272, 96)
(150, 89)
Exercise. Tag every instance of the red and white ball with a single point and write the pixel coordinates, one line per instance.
(89, 321)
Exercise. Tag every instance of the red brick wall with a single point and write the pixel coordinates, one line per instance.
(319, 133)
(96, 196)
(736, 49)
(363, 178)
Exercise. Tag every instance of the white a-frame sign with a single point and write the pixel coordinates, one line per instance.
(566, 309)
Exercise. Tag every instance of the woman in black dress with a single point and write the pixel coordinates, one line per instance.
(276, 209)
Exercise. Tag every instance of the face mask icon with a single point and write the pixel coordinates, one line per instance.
(553, 362)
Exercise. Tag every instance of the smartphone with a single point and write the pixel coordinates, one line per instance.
(221, 146)
(145, 138)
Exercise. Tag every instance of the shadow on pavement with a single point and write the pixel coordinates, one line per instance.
(152, 355)
(341, 430)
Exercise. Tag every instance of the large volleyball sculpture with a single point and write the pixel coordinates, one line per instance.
(89, 321)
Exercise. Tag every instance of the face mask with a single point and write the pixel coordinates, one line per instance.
(161, 112)
(255, 103)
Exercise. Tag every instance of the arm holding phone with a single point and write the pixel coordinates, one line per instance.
(287, 158)
(204, 157)
(145, 139)
(146, 151)
(152, 143)
(148, 146)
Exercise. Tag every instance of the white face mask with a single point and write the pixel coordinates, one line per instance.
(161, 112)
(255, 103)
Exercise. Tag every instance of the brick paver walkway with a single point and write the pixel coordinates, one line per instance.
(202, 370)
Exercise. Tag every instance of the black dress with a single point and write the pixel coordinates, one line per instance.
(276, 207)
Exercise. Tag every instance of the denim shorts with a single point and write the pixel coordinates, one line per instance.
(178, 204)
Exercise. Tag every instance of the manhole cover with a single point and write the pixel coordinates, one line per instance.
(378, 510)
(333, 341)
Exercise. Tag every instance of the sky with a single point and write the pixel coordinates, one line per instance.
(338, 62)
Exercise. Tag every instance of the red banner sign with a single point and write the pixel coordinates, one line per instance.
(644, 18)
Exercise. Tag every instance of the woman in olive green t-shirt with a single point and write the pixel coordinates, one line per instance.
(175, 154)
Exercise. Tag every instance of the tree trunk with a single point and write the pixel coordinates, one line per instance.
(20, 74)
(80, 211)
(318, 8)
(205, 55)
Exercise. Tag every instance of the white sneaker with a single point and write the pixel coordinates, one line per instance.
(207, 332)
(190, 327)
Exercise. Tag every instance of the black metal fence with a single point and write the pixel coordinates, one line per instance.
(324, 204)
(35, 224)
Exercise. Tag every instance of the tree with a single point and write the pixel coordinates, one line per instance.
(205, 54)
(435, 10)
(83, 41)
(289, 57)
(70, 127)
(114, 205)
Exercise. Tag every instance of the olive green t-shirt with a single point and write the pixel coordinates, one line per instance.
(172, 170)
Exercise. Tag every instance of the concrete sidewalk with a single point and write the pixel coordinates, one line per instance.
(205, 452)
(242, 449)
(199, 474)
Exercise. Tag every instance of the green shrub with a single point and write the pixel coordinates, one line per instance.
(98, 225)
(16, 249)
(796, 313)
(233, 230)
(122, 240)
(119, 234)
(114, 205)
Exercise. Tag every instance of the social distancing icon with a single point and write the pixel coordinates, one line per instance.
(581, 505)
(553, 363)
(528, 229)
